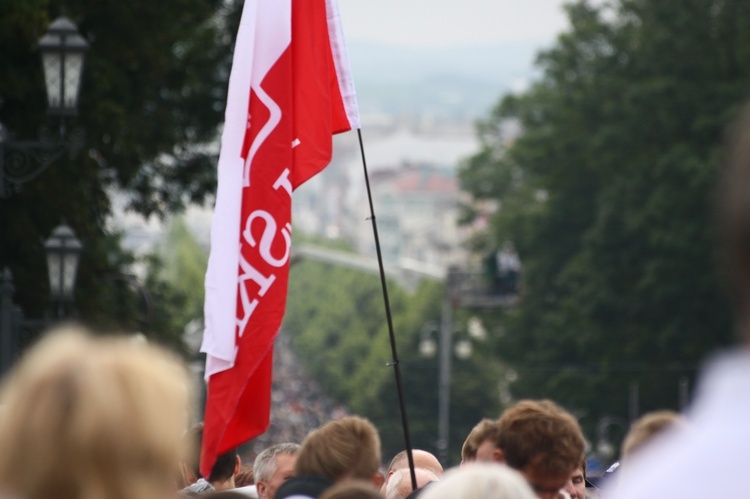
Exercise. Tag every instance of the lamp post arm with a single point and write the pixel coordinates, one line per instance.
(22, 161)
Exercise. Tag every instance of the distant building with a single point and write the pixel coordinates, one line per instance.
(415, 193)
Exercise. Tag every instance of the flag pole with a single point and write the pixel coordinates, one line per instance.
(394, 362)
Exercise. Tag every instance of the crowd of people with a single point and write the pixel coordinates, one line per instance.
(92, 417)
(298, 403)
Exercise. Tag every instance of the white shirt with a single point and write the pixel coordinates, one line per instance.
(249, 491)
(711, 458)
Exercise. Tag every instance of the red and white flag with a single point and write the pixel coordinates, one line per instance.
(290, 90)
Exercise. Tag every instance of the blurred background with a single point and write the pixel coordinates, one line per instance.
(542, 175)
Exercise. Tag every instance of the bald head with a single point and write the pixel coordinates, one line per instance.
(399, 485)
(422, 459)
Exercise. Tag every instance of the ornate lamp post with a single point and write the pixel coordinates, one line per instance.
(62, 50)
(446, 348)
(63, 251)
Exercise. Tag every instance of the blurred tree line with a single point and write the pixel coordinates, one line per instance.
(606, 193)
(336, 319)
(152, 97)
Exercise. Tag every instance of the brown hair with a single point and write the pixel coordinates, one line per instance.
(486, 429)
(345, 448)
(541, 434)
(244, 477)
(645, 428)
(87, 417)
(352, 489)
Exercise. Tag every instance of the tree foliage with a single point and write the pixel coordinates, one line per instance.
(606, 193)
(152, 97)
(336, 319)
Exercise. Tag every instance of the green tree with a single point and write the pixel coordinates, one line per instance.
(606, 194)
(152, 96)
(336, 319)
(173, 285)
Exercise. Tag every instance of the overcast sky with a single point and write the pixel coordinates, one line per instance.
(435, 23)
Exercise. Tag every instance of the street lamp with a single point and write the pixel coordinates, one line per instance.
(62, 50)
(63, 251)
(462, 348)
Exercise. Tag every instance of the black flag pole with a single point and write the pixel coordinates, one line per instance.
(394, 353)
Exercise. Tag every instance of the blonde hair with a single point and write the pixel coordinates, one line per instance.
(93, 418)
(480, 481)
(345, 448)
(648, 426)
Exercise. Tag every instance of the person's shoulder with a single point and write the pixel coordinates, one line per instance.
(690, 462)
(303, 486)
(248, 490)
(238, 493)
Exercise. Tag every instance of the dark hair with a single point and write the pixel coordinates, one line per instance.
(224, 494)
(223, 467)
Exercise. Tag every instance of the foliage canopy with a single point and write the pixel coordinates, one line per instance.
(606, 193)
(152, 97)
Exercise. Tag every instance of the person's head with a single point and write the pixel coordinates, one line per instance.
(345, 448)
(89, 416)
(399, 483)
(644, 429)
(274, 466)
(225, 468)
(542, 441)
(352, 489)
(576, 485)
(422, 459)
(481, 444)
(733, 216)
(222, 473)
(479, 481)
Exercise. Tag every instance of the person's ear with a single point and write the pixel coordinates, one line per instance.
(377, 480)
(262, 488)
(498, 456)
(237, 464)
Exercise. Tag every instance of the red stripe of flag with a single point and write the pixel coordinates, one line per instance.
(292, 113)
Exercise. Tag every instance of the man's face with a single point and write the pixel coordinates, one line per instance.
(576, 486)
(486, 451)
(284, 471)
(545, 486)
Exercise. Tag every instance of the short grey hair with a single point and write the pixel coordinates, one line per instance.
(265, 463)
(480, 481)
